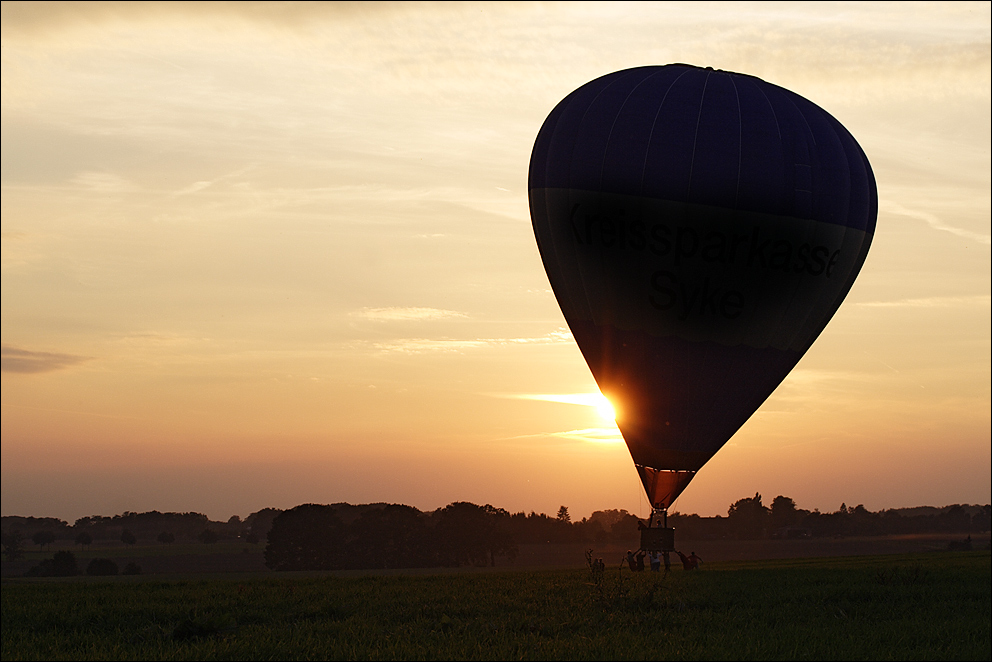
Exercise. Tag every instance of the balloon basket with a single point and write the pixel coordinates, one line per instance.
(658, 539)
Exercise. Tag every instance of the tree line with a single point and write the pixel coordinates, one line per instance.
(383, 535)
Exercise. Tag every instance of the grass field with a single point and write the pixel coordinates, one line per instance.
(922, 606)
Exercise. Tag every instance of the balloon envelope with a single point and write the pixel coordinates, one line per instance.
(699, 229)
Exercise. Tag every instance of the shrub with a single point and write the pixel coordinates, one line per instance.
(63, 564)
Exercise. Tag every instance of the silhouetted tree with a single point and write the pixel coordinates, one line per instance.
(784, 512)
(260, 522)
(166, 538)
(396, 536)
(955, 519)
(84, 539)
(128, 538)
(63, 564)
(563, 515)
(626, 528)
(308, 537)
(748, 518)
(208, 536)
(981, 521)
(473, 535)
(42, 538)
(13, 545)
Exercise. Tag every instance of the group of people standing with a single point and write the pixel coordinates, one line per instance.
(655, 559)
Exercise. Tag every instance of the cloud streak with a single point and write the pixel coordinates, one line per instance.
(407, 314)
(932, 302)
(424, 345)
(23, 361)
(585, 399)
(933, 221)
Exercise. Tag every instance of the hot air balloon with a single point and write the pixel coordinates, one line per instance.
(699, 228)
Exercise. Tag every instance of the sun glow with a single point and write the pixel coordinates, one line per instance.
(606, 409)
(597, 401)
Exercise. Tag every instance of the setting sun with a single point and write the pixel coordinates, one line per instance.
(606, 409)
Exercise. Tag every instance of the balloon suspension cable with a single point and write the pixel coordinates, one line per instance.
(662, 514)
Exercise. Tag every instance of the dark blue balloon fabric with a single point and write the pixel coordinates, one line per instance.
(687, 134)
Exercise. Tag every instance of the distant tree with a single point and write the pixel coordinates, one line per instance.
(395, 536)
(128, 538)
(499, 538)
(626, 528)
(955, 519)
(42, 538)
(208, 536)
(84, 539)
(607, 518)
(13, 545)
(260, 522)
(473, 535)
(589, 530)
(63, 564)
(308, 537)
(982, 520)
(101, 568)
(748, 518)
(784, 512)
(563, 515)
(166, 538)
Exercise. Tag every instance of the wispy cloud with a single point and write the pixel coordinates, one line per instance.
(407, 314)
(933, 221)
(586, 399)
(198, 186)
(15, 359)
(101, 182)
(423, 345)
(594, 435)
(933, 302)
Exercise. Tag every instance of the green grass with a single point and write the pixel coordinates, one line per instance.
(934, 606)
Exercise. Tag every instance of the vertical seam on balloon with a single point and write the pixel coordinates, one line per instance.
(647, 153)
(553, 246)
(606, 148)
(740, 141)
(695, 136)
(839, 132)
(771, 107)
(808, 128)
(798, 338)
(584, 294)
(763, 341)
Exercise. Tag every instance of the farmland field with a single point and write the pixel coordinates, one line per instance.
(913, 606)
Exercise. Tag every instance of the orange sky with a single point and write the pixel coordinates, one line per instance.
(267, 255)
